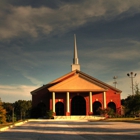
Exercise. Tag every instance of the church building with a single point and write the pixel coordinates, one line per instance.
(76, 93)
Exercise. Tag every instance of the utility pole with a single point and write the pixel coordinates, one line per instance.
(115, 81)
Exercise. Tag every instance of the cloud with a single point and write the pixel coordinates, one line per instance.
(27, 20)
(33, 80)
(27, 66)
(12, 93)
(22, 59)
(107, 60)
(127, 50)
(127, 55)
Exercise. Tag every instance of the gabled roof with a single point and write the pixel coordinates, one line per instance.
(54, 82)
(77, 81)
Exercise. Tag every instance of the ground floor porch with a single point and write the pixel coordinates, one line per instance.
(80, 103)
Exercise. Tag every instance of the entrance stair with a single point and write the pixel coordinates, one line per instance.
(79, 117)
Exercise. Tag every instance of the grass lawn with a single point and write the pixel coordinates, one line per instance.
(124, 119)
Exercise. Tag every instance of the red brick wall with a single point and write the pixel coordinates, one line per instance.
(41, 96)
(97, 97)
(46, 97)
(112, 96)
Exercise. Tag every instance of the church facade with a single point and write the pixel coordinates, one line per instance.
(76, 93)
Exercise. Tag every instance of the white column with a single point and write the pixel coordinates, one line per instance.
(53, 101)
(104, 99)
(68, 102)
(90, 101)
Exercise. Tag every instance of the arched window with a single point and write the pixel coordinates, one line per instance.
(112, 106)
(96, 106)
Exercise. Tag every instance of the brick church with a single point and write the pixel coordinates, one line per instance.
(75, 93)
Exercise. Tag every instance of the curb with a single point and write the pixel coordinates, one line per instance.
(12, 125)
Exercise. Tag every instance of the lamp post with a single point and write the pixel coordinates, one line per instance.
(132, 75)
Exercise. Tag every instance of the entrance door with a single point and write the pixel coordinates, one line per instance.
(96, 105)
(78, 106)
(59, 107)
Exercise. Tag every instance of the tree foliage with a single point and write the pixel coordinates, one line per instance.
(9, 111)
(132, 103)
(2, 113)
(39, 111)
(22, 109)
(137, 90)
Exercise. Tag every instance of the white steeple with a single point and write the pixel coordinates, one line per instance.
(75, 64)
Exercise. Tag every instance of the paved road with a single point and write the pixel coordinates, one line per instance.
(73, 130)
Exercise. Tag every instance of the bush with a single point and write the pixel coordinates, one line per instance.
(107, 112)
(49, 114)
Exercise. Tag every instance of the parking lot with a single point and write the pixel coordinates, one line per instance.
(73, 130)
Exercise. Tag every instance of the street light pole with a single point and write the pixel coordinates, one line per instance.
(132, 75)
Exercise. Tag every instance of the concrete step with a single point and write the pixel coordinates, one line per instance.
(79, 117)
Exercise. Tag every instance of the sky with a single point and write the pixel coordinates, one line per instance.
(37, 41)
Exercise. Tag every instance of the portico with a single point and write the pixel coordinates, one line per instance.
(88, 105)
(78, 85)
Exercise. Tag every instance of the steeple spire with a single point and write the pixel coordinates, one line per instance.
(75, 59)
(75, 64)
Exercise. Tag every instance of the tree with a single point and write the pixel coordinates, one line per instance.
(132, 103)
(22, 109)
(137, 90)
(39, 111)
(2, 113)
(9, 110)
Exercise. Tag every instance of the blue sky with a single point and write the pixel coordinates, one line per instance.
(36, 42)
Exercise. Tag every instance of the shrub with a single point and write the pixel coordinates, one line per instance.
(107, 112)
(49, 114)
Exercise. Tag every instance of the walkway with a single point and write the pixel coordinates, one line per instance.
(73, 130)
